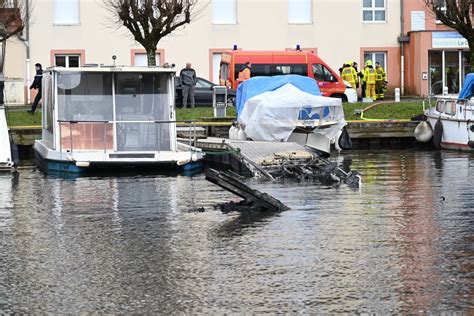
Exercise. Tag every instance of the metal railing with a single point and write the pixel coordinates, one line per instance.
(88, 140)
(73, 127)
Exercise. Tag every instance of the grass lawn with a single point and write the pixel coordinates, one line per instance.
(402, 110)
(201, 112)
(19, 117)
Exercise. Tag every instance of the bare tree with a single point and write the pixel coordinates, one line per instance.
(151, 20)
(457, 14)
(13, 15)
(12, 18)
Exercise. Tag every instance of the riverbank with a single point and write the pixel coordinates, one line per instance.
(385, 110)
(384, 125)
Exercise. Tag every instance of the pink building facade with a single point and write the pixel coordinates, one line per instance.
(435, 56)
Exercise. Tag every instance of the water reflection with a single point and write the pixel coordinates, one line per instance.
(130, 244)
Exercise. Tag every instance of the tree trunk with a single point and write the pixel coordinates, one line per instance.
(151, 56)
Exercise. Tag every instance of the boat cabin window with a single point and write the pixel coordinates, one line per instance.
(85, 96)
(446, 106)
(141, 97)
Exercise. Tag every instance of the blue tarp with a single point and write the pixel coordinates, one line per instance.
(468, 87)
(258, 85)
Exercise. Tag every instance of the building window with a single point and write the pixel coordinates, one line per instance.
(224, 12)
(68, 61)
(66, 12)
(141, 59)
(300, 12)
(373, 11)
(380, 57)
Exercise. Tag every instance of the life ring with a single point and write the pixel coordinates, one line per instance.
(438, 134)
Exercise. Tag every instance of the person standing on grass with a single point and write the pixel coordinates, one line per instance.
(37, 85)
(369, 76)
(188, 82)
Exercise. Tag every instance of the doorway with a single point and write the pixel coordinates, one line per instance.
(447, 69)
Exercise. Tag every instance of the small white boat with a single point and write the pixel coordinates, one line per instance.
(6, 161)
(450, 123)
(290, 109)
(110, 117)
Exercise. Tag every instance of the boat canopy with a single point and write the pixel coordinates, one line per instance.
(468, 89)
(109, 109)
(258, 85)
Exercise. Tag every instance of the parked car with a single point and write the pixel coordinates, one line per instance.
(271, 63)
(202, 93)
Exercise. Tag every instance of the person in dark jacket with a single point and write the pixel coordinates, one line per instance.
(37, 85)
(188, 83)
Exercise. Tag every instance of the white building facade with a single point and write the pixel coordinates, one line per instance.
(72, 33)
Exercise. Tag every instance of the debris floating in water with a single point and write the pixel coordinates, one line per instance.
(254, 199)
(304, 167)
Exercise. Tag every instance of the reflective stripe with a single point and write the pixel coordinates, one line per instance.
(349, 74)
(370, 75)
(380, 74)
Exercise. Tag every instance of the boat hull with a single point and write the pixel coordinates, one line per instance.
(456, 133)
(6, 162)
(51, 161)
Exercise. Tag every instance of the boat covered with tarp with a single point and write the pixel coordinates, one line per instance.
(290, 108)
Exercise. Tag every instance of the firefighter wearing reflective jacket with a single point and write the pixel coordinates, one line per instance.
(369, 76)
(364, 80)
(349, 74)
(380, 81)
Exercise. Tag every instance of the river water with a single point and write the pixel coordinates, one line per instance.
(404, 242)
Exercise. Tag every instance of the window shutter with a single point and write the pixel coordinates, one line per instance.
(300, 11)
(224, 11)
(417, 20)
(66, 12)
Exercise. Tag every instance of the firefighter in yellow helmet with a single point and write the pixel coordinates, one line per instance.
(369, 77)
(349, 74)
(364, 80)
(380, 81)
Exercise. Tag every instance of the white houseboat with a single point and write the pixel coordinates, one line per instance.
(109, 117)
(450, 123)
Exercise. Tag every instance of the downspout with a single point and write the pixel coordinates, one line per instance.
(26, 41)
(402, 49)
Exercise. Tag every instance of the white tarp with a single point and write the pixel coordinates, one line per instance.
(273, 115)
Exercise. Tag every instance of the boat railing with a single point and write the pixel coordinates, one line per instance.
(101, 135)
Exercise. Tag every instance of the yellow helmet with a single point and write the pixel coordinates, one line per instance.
(368, 63)
(349, 62)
